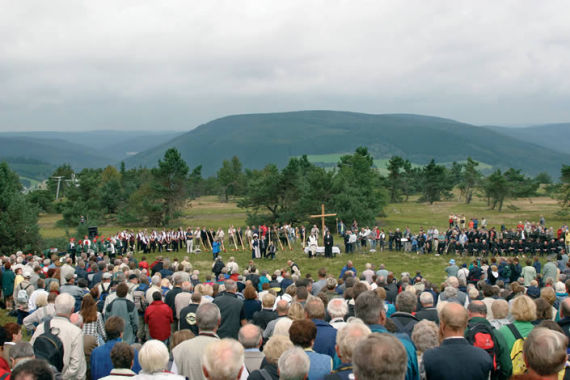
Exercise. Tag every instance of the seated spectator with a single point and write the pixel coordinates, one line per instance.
(153, 357)
(380, 356)
(223, 360)
(122, 357)
(293, 365)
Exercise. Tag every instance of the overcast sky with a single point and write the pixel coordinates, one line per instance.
(136, 64)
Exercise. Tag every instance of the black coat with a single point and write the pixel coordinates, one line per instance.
(263, 317)
(455, 359)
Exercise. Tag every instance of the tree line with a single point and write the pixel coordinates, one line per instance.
(354, 189)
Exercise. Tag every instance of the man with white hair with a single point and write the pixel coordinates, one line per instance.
(544, 353)
(154, 357)
(293, 364)
(74, 365)
(155, 287)
(428, 311)
(223, 360)
(337, 309)
(346, 340)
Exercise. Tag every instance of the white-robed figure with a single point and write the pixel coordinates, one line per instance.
(255, 250)
(313, 245)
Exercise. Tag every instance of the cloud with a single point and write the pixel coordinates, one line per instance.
(175, 64)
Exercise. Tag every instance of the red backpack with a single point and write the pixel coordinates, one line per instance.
(482, 336)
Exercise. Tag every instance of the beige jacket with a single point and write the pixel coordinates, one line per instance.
(74, 365)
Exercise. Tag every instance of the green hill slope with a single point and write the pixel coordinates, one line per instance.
(551, 136)
(258, 139)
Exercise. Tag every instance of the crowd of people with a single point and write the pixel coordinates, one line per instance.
(93, 316)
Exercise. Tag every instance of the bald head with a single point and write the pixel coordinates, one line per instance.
(453, 320)
(282, 307)
(250, 336)
(477, 309)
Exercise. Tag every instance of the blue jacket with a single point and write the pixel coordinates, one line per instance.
(457, 359)
(326, 338)
(346, 268)
(412, 373)
(321, 365)
(101, 364)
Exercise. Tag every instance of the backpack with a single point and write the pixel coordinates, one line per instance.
(407, 329)
(102, 297)
(49, 347)
(505, 272)
(22, 296)
(139, 297)
(482, 335)
(519, 366)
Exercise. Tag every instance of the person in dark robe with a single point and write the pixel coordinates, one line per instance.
(328, 240)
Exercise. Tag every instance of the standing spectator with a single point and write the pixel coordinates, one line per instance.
(32, 306)
(337, 309)
(4, 366)
(369, 307)
(451, 269)
(188, 354)
(500, 309)
(158, 317)
(154, 361)
(13, 337)
(406, 303)
(232, 310)
(380, 356)
(425, 336)
(544, 354)
(251, 340)
(177, 280)
(294, 364)
(125, 309)
(22, 293)
(303, 334)
(101, 363)
(266, 314)
(20, 353)
(223, 360)
(528, 273)
(74, 365)
(8, 278)
(346, 340)
(46, 310)
(92, 320)
(523, 311)
(33, 370)
(188, 314)
(325, 339)
(122, 357)
(274, 348)
(428, 311)
(456, 358)
(251, 304)
(282, 310)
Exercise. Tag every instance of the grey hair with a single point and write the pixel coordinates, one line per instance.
(223, 359)
(368, 307)
(64, 304)
(380, 357)
(545, 351)
(230, 285)
(426, 298)
(348, 337)
(293, 364)
(406, 302)
(208, 316)
(21, 350)
(156, 280)
(187, 286)
(337, 308)
(425, 335)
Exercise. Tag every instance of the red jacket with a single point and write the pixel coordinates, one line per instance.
(158, 317)
(4, 368)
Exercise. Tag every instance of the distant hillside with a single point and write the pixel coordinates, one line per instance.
(258, 139)
(114, 145)
(54, 152)
(551, 136)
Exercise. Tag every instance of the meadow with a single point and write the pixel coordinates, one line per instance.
(210, 212)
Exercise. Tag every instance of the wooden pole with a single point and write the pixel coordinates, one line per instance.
(241, 241)
(288, 242)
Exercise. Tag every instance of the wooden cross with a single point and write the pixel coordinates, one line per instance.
(322, 216)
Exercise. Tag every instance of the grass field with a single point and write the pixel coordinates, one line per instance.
(208, 211)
